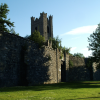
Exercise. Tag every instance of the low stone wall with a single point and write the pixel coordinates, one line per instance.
(79, 70)
(79, 74)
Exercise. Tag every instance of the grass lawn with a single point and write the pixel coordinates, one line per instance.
(84, 90)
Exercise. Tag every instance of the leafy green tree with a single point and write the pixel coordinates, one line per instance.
(36, 37)
(3, 17)
(70, 54)
(66, 50)
(13, 32)
(79, 55)
(56, 43)
(94, 45)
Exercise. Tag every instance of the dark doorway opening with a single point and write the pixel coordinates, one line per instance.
(36, 28)
(47, 29)
(63, 72)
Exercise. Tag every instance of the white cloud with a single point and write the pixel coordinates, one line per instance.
(73, 48)
(81, 30)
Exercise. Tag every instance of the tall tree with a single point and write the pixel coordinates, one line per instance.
(95, 45)
(3, 17)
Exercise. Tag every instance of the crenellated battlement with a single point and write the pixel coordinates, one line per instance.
(43, 14)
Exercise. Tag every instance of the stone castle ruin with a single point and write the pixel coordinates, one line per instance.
(23, 63)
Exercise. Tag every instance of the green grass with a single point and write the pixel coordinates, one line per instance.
(87, 90)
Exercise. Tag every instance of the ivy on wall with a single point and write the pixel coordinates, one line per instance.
(61, 55)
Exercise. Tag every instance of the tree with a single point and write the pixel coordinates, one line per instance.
(13, 32)
(3, 17)
(56, 43)
(66, 50)
(79, 55)
(36, 37)
(95, 45)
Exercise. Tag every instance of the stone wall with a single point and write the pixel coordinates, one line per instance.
(77, 61)
(79, 71)
(66, 58)
(23, 63)
(32, 66)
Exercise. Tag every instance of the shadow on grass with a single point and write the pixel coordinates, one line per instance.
(62, 85)
(82, 98)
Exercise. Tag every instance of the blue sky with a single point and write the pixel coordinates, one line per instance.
(73, 20)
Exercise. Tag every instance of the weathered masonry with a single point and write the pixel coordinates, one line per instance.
(23, 63)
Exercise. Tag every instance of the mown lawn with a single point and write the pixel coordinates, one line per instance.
(87, 90)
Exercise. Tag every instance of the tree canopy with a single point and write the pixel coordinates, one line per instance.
(56, 43)
(36, 37)
(3, 18)
(79, 55)
(94, 45)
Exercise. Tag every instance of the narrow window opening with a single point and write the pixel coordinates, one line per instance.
(36, 28)
(47, 29)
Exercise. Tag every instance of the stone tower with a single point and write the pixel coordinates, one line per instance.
(43, 25)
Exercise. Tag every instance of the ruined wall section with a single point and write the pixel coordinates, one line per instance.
(78, 72)
(66, 58)
(44, 70)
(19, 67)
(58, 65)
(77, 61)
(10, 53)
